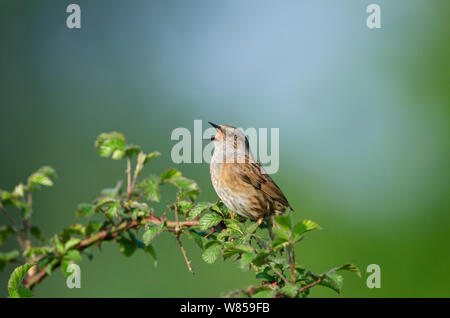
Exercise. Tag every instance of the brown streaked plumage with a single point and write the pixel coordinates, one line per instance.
(239, 180)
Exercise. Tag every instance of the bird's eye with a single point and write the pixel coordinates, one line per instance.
(213, 138)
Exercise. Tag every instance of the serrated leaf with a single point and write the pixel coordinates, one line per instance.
(211, 252)
(284, 221)
(85, 209)
(246, 259)
(209, 219)
(198, 209)
(304, 226)
(280, 233)
(184, 206)
(151, 155)
(150, 188)
(111, 144)
(346, 267)
(279, 242)
(198, 239)
(252, 227)
(15, 287)
(93, 227)
(170, 173)
(260, 259)
(113, 210)
(333, 281)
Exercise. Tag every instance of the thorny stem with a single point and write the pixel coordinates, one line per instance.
(177, 235)
(188, 262)
(108, 235)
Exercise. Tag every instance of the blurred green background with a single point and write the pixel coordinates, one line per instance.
(364, 119)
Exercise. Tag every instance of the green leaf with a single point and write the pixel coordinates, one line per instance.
(42, 177)
(284, 221)
(233, 250)
(111, 144)
(260, 259)
(132, 150)
(290, 290)
(333, 281)
(73, 255)
(9, 256)
(264, 293)
(19, 191)
(127, 247)
(279, 242)
(150, 188)
(93, 227)
(198, 209)
(85, 209)
(304, 226)
(15, 287)
(150, 233)
(71, 243)
(113, 210)
(209, 219)
(151, 155)
(184, 206)
(251, 228)
(346, 267)
(170, 173)
(281, 233)
(198, 239)
(149, 249)
(246, 259)
(211, 252)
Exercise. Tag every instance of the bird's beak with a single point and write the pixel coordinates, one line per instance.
(214, 125)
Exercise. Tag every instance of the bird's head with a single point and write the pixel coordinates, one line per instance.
(230, 140)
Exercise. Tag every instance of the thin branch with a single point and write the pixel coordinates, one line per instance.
(14, 226)
(292, 262)
(108, 235)
(279, 274)
(128, 171)
(177, 234)
(311, 285)
(10, 219)
(188, 262)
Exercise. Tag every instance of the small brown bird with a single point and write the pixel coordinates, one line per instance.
(239, 180)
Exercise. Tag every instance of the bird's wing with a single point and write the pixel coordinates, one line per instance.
(252, 173)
